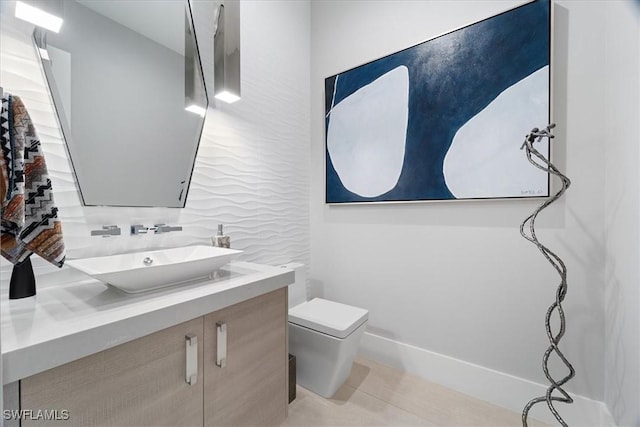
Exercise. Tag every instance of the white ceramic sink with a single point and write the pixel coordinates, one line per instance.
(142, 271)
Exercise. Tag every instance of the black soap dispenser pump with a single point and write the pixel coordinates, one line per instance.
(220, 240)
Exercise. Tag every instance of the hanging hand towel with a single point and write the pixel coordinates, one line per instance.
(30, 221)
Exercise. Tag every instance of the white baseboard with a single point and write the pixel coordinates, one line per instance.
(492, 386)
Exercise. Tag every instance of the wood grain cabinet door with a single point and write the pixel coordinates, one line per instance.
(139, 383)
(251, 387)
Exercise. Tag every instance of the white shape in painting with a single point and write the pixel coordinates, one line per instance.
(367, 132)
(485, 159)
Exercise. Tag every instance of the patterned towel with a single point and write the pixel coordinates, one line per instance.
(30, 221)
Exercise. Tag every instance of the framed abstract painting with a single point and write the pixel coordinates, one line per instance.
(444, 119)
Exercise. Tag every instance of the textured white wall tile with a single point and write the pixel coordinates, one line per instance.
(251, 172)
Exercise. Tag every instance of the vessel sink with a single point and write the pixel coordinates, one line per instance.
(143, 271)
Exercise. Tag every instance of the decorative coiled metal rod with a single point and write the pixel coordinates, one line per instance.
(539, 161)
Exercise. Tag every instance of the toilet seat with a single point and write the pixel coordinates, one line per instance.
(328, 317)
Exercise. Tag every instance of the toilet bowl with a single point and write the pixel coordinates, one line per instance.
(324, 336)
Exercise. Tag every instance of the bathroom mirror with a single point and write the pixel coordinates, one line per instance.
(128, 88)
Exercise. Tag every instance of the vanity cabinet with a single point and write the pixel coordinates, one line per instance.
(143, 382)
(139, 383)
(250, 388)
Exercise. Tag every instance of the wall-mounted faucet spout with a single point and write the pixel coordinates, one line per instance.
(157, 229)
(164, 228)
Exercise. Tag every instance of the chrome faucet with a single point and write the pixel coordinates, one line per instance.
(157, 229)
(107, 230)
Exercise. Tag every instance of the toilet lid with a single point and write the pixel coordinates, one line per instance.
(328, 317)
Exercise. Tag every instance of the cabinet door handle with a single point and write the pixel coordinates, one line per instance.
(221, 357)
(191, 370)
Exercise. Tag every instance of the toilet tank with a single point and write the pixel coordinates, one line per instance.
(298, 290)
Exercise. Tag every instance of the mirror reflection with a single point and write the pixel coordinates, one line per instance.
(127, 85)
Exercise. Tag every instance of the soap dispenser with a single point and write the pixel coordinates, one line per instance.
(220, 240)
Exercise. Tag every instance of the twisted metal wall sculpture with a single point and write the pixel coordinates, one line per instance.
(539, 161)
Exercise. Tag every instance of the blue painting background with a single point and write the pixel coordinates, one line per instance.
(451, 79)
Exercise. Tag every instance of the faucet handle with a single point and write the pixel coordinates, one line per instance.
(107, 230)
(164, 228)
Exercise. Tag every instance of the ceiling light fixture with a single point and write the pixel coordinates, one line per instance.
(226, 52)
(46, 14)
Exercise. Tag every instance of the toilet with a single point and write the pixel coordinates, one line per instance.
(323, 336)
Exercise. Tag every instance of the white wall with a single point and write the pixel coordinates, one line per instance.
(456, 278)
(622, 212)
(251, 171)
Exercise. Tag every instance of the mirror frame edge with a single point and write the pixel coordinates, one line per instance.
(38, 38)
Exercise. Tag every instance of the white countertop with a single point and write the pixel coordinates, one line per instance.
(82, 316)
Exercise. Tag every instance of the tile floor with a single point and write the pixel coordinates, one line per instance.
(377, 395)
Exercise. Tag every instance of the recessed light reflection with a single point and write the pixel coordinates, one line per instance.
(44, 54)
(196, 109)
(227, 97)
